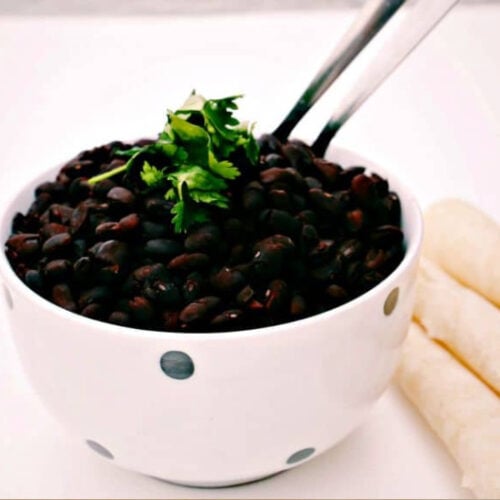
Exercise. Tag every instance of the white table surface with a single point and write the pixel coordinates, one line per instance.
(70, 83)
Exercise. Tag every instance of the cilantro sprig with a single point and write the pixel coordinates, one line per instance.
(193, 155)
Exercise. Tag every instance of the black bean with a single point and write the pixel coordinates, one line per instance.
(79, 168)
(322, 253)
(268, 144)
(355, 220)
(245, 295)
(227, 280)
(375, 258)
(381, 185)
(82, 270)
(120, 318)
(33, 278)
(233, 230)
(51, 229)
(129, 223)
(327, 273)
(155, 271)
(307, 217)
(54, 189)
(24, 245)
(57, 244)
(309, 237)
(41, 204)
(111, 252)
(276, 296)
(275, 160)
(25, 223)
(94, 311)
(97, 294)
(345, 176)
(313, 183)
(163, 293)
(279, 221)
(57, 213)
(197, 310)
(189, 261)
(298, 306)
(328, 171)
(101, 189)
(63, 297)
(363, 188)
(170, 320)
(275, 243)
(79, 189)
(107, 230)
(237, 254)
(158, 208)
(353, 273)
(153, 230)
(121, 198)
(369, 280)
(205, 238)
(253, 198)
(270, 256)
(350, 249)
(227, 319)
(79, 217)
(284, 176)
(332, 204)
(163, 249)
(193, 287)
(298, 155)
(280, 199)
(58, 270)
(393, 206)
(140, 310)
(386, 236)
(336, 294)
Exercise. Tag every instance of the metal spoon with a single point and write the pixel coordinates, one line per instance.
(371, 19)
(394, 43)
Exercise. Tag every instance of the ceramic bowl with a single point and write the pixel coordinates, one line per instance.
(215, 409)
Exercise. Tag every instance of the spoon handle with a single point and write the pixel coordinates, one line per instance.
(405, 31)
(372, 18)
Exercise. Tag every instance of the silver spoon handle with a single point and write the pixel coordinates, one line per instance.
(405, 31)
(372, 18)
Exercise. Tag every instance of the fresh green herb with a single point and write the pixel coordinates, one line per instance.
(194, 154)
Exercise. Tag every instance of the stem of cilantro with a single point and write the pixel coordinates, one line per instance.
(107, 175)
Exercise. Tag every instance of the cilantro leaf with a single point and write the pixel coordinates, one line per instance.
(210, 198)
(224, 168)
(151, 175)
(195, 177)
(186, 212)
(193, 157)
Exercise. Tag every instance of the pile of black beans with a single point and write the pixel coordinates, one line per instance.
(303, 235)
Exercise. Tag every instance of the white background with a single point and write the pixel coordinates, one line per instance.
(70, 83)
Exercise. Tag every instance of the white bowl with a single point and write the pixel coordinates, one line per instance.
(237, 406)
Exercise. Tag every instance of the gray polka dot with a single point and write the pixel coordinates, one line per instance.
(8, 297)
(300, 455)
(100, 449)
(391, 301)
(177, 364)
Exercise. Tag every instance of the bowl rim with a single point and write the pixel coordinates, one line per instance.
(411, 254)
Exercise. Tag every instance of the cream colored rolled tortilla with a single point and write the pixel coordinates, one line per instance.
(458, 406)
(466, 244)
(463, 320)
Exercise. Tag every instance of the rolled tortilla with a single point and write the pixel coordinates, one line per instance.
(466, 244)
(459, 407)
(461, 319)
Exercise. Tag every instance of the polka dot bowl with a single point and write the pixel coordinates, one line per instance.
(215, 409)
